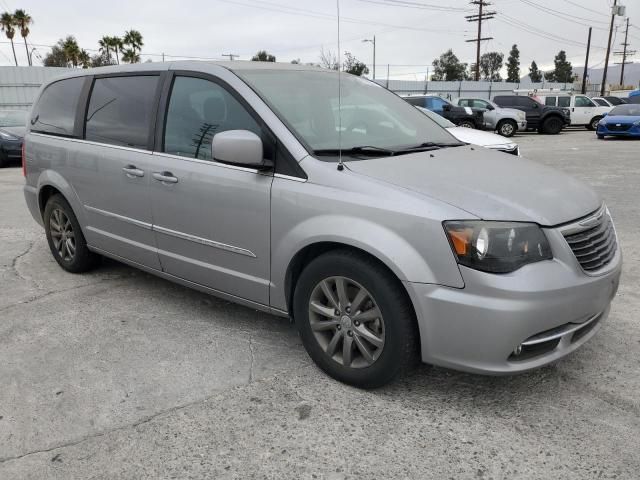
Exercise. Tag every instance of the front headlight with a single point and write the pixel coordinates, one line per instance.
(7, 136)
(497, 247)
(636, 123)
(522, 116)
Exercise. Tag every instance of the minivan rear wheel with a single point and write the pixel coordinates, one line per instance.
(355, 319)
(66, 241)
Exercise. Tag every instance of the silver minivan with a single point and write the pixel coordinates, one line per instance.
(326, 198)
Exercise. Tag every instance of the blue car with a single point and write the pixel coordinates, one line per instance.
(622, 121)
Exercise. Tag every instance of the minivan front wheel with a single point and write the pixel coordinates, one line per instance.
(66, 241)
(354, 319)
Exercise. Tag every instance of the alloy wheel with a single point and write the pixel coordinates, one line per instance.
(62, 234)
(506, 129)
(347, 322)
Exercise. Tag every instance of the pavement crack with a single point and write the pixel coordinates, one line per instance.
(252, 360)
(15, 262)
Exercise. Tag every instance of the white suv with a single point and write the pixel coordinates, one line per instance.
(584, 111)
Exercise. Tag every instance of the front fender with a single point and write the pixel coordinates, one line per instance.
(381, 242)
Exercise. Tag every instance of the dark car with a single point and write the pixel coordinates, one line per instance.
(461, 116)
(540, 117)
(12, 128)
(615, 101)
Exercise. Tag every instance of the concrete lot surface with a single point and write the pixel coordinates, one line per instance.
(118, 374)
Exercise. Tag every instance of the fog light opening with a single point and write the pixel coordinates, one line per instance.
(518, 350)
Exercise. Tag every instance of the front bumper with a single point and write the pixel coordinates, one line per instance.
(546, 305)
(522, 126)
(633, 131)
(11, 150)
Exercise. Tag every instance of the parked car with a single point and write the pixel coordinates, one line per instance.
(12, 127)
(460, 116)
(473, 136)
(543, 118)
(615, 101)
(622, 121)
(584, 112)
(383, 240)
(603, 102)
(506, 121)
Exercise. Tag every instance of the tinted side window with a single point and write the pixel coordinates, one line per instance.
(121, 110)
(479, 104)
(464, 102)
(55, 111)
(438, 104)
(416, 101)
(504, 101)
(583, 102)
(551, 101)
(524, 102)
(564, 101)
(198, 109)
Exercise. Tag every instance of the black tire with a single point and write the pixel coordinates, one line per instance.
(593, 124)
(507, 128)
(552, 125)
(400, 332)
(82, 259)
(467, 124)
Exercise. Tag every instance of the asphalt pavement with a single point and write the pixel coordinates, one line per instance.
(119, 374)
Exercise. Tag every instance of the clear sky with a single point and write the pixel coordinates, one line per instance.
(409, 33)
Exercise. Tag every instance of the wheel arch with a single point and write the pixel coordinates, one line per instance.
(51, 183)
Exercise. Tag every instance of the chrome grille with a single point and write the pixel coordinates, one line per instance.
(595, 245)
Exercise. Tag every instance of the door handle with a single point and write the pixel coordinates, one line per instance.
(133, 171)
(165, 177)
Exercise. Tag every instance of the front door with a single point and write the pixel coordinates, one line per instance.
(211, 220)
(583, 110)
(111, 171)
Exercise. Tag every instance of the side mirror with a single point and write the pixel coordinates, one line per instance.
(535, 105)
(446, 107)
(240, 147)
(490, 107)
(605, 114)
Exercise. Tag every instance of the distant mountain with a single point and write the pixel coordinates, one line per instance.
(631, 74)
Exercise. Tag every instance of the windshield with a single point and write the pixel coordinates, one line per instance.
(626, 110)
(13, 118)
(440, 120)
(307, 102)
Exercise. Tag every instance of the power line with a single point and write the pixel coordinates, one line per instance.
(562, 15)
(575, 4)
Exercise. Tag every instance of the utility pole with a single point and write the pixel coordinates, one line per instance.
(586, 65)
(625, 53)
(615, 10)
(479, 18)
(231, 56)
(374, 53)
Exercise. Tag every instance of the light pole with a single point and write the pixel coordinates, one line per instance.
(374, 53)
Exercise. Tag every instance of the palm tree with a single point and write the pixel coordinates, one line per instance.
(71, 50)
(129, 55)
(133, 39)
(105, 44)
(116, 45)
(7, 25)
(22, 20)
(84, 59)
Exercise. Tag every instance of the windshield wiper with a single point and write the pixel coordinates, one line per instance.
(432, 146)
(364, 150)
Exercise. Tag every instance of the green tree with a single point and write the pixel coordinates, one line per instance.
(534, 73)
(8, 26)
(84, 59)
(117, 45)
(101, 60)
(513, 65)
(448, 67)
(490, 65)
(354, 66)
(106, 45)
(23, 20)
(562, 71)
(71, 50)
(133, 43)
(263, 56)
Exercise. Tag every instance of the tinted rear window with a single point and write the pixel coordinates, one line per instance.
(121, 110)
(55, 111)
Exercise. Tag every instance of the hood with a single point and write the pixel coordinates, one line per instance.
(479, 137)
(510, 111)
(621, 118)
(487, 184)
(15, 131)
